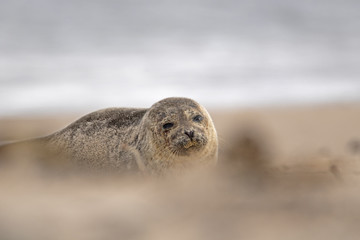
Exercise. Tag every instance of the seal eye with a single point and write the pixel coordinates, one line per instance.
(168, 126)
(198, 118)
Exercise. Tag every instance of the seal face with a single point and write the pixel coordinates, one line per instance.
(174, 133)
(181, 128)
(181, 134)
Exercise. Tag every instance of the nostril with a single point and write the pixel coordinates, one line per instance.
(190, 134)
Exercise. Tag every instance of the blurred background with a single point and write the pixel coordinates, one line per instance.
(76, 56)
(280, 78)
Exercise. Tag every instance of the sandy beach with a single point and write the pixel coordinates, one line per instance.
(288, 135)
(283, 173)
(280, 79)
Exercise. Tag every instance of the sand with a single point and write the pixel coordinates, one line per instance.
(283, 173)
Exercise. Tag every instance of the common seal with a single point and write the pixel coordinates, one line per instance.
(174, 133)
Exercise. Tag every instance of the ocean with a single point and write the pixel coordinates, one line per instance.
(78, 56)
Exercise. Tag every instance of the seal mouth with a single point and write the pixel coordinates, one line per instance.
(189, 144)
(187, 147)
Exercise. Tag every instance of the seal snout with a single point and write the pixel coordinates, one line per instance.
(191, 139)
(190, 134)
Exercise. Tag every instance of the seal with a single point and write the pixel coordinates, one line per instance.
(173, 134)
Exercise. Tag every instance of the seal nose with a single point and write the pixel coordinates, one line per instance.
(190, 134)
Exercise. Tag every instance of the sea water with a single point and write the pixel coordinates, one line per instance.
(68, 56)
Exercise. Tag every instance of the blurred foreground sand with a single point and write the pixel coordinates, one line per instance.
(284, 173)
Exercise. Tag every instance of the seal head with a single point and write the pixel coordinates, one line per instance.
(180, 132)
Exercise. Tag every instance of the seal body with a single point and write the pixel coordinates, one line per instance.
(173, 134)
